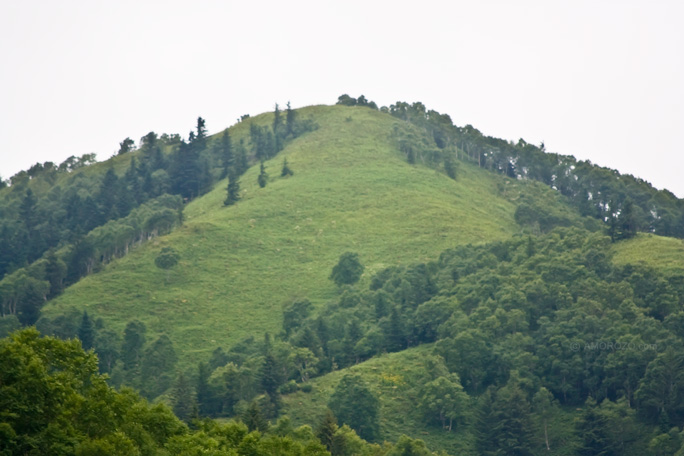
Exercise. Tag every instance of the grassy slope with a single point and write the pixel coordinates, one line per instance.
(351, 191)
(664, 253)
(393, 378)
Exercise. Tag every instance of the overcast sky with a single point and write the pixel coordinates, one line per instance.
(600, 80)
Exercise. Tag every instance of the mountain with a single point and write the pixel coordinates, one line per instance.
(351, 191)
(510, 300)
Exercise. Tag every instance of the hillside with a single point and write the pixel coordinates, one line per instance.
(351, 191)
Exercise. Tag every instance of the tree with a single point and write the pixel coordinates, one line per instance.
(233, 190)
(157, 367)
(348, 270)
(325, 431)
(226, 153)
(167, 259)
(295, 313)
(181, 396)
(126, 146)
(355, 405)
(544, 408)
(593, 427)
(271, 380)
(444, 398)
(263, 176)
(134, 339)
(286, 171)
(86, 332)
(290, 116)
(277, 130)
(55, 273)
(254, 419)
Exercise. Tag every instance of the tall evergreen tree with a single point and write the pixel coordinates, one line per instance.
(290, 121)
(134, 339)
(271, 380)
(286, 171)
(86, 332)
(233, 190)
(325, 431)
(263, 176)
(226, 153)
(182, 398)
(206, 400)
(277, 130)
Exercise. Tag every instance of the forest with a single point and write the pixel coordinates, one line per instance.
(537, 343)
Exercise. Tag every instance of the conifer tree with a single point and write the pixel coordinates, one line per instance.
(290, 121)
(277, 130)
(254, 419)
(270, 380)
(263, 176)
(325, 432)
(134, 339)
(233, 190)
(286, 171)
(226, 153)
(183, 401)
(86, 332)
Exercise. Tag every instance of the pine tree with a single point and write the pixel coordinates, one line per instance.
(286, 169)
(241, 164)
(270, 380)
(233, 190)
(205, 397)
(86, 332)
(134, 339)
(254, 419)
(263, 176)
(183, 402)
(325, 432)
(290, 121)
(226, 153)
(277, 130)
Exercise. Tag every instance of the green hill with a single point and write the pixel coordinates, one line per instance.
(488, 287)
(351, 191)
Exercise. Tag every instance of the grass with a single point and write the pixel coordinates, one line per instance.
(351, 191)
(663, 253)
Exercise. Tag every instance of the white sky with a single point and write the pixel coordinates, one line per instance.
(600, 80)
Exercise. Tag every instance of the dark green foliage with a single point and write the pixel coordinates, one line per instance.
(226, 153)
(348, 269)
(167, 259)
(126, 146)
(254, 419)
(294, 314)
(157, 367)
(182, 397)
(86, 332)
(271, 380)
(355, 405)
(263, 176)
(325, 431)
(185, 171)
(207, 402)
(233, 191)
(286, 171)
(592, 426)
(134, 339)
(290, 120)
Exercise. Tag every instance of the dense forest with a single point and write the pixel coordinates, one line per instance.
(538, 344)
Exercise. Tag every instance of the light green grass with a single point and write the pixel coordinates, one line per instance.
(351, 191)
(663, 253)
